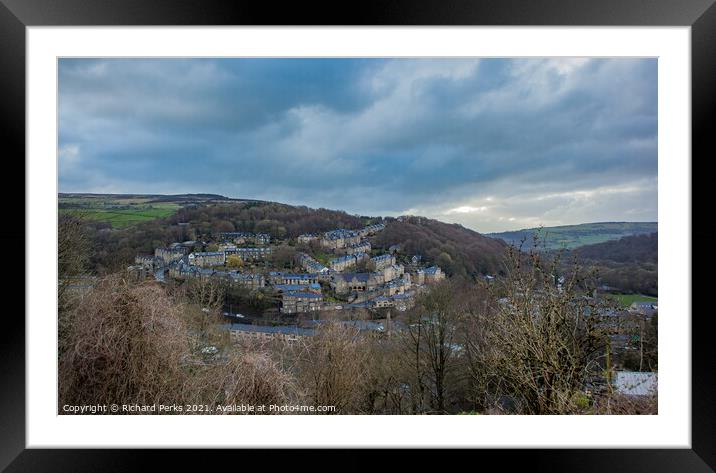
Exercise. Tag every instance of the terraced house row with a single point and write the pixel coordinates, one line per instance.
(342, 263)
(182, 271)
(241, 238)
(308, 263)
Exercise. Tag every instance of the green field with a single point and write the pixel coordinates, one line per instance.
(625, 300)
(122, 218)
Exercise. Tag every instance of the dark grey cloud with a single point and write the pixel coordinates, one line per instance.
(507, 142)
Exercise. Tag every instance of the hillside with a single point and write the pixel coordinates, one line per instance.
(116, 245)
(574, 236)
(456, 249)
(279, 220)
(628, 265)
(629, 249)
(126, 210)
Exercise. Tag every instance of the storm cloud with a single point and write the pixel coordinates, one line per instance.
(493, 144)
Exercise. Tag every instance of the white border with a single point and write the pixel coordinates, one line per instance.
(671, 428)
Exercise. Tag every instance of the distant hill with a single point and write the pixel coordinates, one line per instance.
(178, 198)
(574, 236)
(126, 210)
(456, 249)
(629, 249)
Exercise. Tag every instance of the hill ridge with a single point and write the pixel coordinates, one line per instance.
(574, 236)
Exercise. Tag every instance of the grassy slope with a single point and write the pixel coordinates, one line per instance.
(138, 212)
(625, 300)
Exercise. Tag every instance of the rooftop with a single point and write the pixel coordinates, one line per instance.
(382, 257)
(305, 295)
(284, 329)
(341, 259)
(298, 276)
(636, 383)
(359, 324)
(363, 277)
(296, 287)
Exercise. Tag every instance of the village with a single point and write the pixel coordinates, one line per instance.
(339, 271)
(352, 275)
(338, 275)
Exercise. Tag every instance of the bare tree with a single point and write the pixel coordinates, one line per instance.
(73, 246)
(332, 367)
(208, 293)
(545, 336)
(73, 256)
(283, 257)
(480, 304)
(432, 345)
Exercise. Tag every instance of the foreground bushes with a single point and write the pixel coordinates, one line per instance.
(125, 343)
(530, 344)
(131, 344)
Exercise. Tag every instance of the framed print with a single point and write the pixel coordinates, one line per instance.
(426, 228)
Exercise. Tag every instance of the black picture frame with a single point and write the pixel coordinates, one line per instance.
(16, 15)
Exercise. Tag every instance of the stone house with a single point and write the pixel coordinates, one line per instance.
(248, 280)
(383, 261)
(346, 283)
(167, 255)
(371, 229)
(310, 264)
(262, 239)
(362, 247)
(182, 271)
(393, 272)
(237, 237)
(397, 286)
(404, 301)
(249, 254)
(209, 258)
(300, 301)
(342, 263)
(307, 238)
(336, 239)
(241, 238)
(304, 279)
(433, 274)
(383, 301)
(645, 308)
(314, 287)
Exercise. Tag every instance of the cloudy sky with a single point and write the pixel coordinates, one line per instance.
(493, 144)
